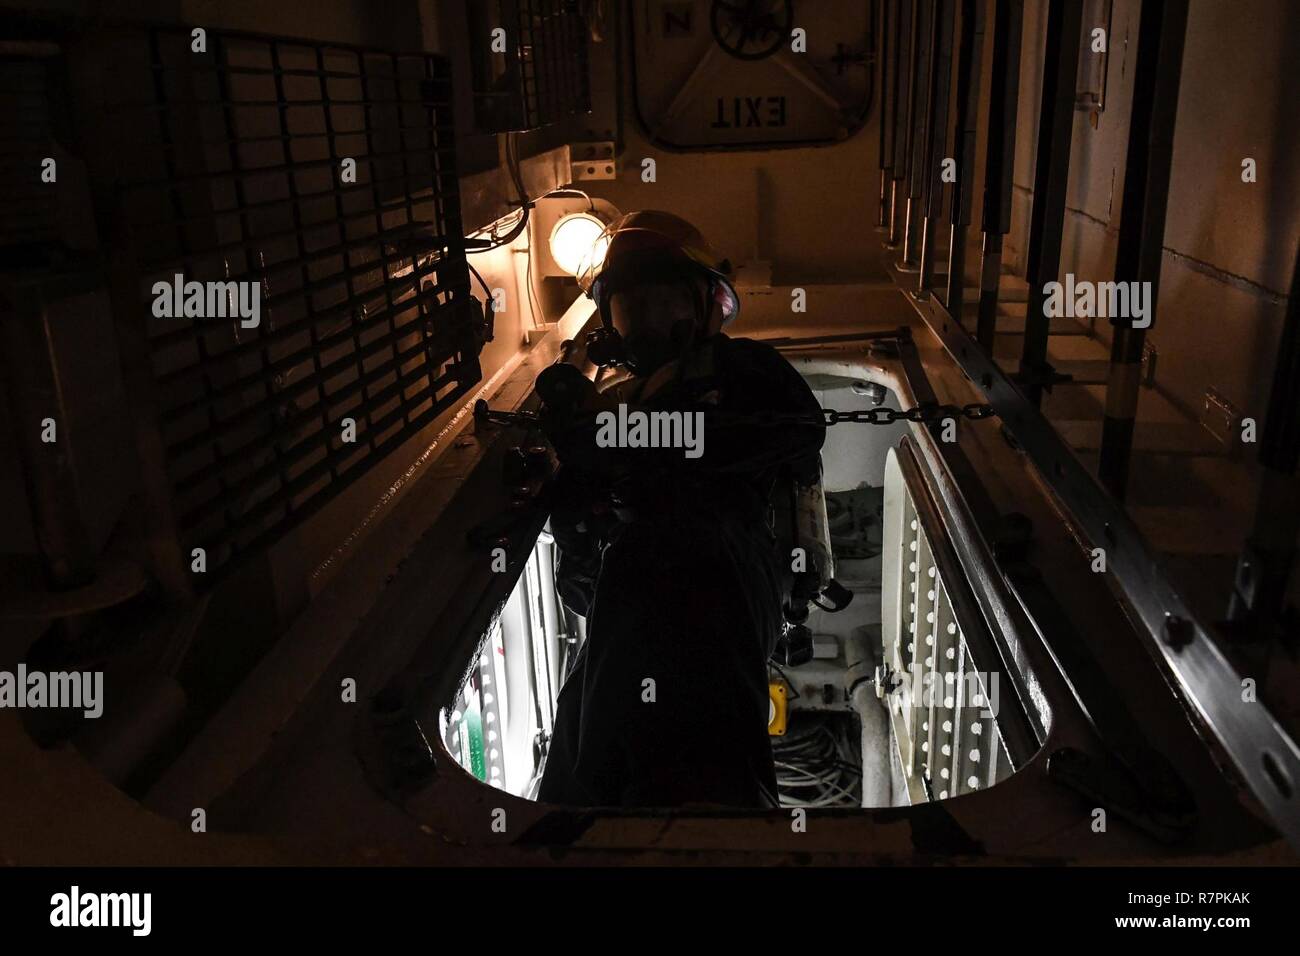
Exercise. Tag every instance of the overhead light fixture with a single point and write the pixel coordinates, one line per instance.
(576, 240)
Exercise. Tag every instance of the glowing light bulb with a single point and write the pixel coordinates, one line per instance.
(577, 241)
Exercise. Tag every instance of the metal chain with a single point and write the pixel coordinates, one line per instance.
(924, 413)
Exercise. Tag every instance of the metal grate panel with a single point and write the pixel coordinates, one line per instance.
(944, 719)
(229, 168)
(543, 75)
(553, 61)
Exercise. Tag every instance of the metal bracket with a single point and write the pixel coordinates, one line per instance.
(1045, 376)
(1221, 417)
(886, 681)
(1149, 357)
(485, 414)
(593, 160)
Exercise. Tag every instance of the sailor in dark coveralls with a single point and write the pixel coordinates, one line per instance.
(671, 558)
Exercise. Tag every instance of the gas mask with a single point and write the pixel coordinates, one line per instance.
(648, 325)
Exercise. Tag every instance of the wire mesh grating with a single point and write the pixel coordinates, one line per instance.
(540, 73)
(553, 61)
(325, 177)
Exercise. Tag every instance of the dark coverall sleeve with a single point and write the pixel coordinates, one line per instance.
(577, 539)
(757, 379)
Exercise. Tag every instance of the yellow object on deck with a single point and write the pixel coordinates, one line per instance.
(777, 694)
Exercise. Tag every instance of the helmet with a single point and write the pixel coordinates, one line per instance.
(641, 241)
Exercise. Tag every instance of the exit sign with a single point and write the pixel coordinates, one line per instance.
(767, 112)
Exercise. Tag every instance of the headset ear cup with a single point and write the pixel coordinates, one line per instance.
(717, 301)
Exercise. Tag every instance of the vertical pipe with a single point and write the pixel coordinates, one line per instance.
(1279, 448)
(999, 159)
(861, 654)
(967, 107)
(49, 468)
(903, 56)
(916, 110)
(936, 136)
(1051, 175)
(886, 156)
(891, 239)
(1140, 246)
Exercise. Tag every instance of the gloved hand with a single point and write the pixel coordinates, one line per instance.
(563, 388)
(570, 404)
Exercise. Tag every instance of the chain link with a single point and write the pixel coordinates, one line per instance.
(924, 413)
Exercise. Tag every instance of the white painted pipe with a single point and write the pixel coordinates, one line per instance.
(859, 681)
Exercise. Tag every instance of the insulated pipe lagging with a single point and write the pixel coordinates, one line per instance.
(860, 683)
